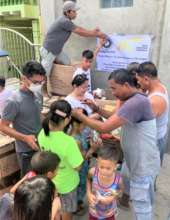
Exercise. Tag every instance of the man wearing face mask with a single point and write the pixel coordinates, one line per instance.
(23, 111)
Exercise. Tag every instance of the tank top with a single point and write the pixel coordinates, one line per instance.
(162, 120)
(99, 210)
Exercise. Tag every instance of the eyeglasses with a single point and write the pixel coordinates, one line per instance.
(37, 82)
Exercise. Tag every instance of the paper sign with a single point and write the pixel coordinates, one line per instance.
(123, 50)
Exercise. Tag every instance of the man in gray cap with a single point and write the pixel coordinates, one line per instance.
(58, 34)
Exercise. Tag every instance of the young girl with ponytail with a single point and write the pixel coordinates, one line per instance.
(52, 138)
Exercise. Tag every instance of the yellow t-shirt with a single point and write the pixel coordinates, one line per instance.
(67, 178)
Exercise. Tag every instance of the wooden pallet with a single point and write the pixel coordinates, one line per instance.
(9, 167)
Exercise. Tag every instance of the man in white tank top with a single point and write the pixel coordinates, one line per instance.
(147, 77)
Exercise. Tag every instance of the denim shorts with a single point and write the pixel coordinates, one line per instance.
(69, 201)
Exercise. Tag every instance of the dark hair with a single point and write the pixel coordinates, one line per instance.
(147, 69)
(109, 152)
(132, 70)
(33, 68)
(33, 199)
(88, 54)
(43, 162)
(65, 12)
(74, 120)
(2, 81)
(59, 110)
(121, 76)
(79, 80)
(132, 67)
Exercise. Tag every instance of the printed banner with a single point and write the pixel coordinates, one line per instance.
(121, 50)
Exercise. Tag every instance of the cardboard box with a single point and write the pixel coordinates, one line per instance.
(8, 157)
(47, 103)
(109, 94)
(61, 78)
(108, 105)
(9, 168)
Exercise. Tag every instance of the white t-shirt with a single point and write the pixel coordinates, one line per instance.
(4, 95)
(80, 71)
(75, 103)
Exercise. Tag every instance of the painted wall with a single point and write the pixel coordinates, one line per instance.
(144, 17)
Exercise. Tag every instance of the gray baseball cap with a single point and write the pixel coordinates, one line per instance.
(70, 5)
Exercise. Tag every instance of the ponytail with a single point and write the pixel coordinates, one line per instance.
(59, 110)
(45, 125)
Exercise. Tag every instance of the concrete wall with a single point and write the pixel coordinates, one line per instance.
(48, 14)
(144, 17)
(164, 57)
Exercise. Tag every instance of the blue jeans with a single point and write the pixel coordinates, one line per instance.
(81, 190)
(142, 196)
(24, 159)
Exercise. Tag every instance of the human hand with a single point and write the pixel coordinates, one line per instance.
(101, 35)
(102, 42)
(91, 104)
(92, 199)
(31, 141)
(94, 145)
(97, 29)
(106, 200)
(77, 113)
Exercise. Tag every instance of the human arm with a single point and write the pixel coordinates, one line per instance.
(158, 105)
(99, 46)
(88, 33)
(81, 149)
(106, 200)
(98, 109)
(114, 196)
(120, 188)
(90, 196)
(74, 156)
(110, 124)
(14, 188)
(134, 110)
(56, 207)
(93, 147)
(9, 116)
(29, 139)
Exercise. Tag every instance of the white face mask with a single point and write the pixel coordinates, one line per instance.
(35, 88)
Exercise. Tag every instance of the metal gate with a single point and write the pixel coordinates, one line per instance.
(19, 48)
